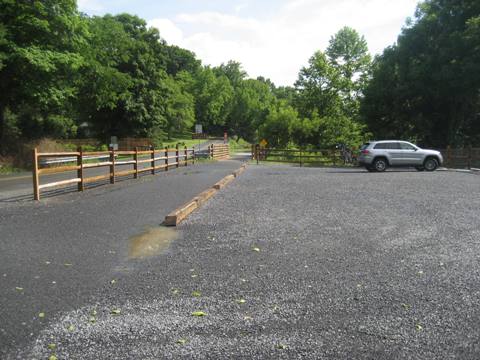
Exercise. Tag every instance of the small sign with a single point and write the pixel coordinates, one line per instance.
(198, 129)
(263, 143)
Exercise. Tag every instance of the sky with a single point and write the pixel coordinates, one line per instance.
(271, 38)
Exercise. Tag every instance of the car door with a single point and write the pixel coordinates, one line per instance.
(411, 155)
(394, 153)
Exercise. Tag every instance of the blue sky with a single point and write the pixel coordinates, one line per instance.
(270, 38)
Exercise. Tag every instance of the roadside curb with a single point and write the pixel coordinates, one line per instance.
(182, 212)
(472, 171)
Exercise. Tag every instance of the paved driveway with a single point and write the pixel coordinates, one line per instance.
(294, 263)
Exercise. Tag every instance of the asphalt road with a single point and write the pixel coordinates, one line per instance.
(283, 263)
(56, 253)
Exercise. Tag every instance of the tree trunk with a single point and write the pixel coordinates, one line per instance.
(2, 129)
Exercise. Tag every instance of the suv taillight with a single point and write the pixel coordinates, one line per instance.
(365, 152)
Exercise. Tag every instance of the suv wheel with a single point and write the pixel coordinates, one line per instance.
(420, 168)
(380, 164)
(431, 164)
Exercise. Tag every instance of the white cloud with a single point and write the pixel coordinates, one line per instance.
(279, 46)
(168, 30)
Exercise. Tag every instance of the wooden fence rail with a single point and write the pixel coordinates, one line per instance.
(219, 151)
(467, 158)
(79, 161)
(302, 157)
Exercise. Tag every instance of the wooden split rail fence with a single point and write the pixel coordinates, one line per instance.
(219, 151)
(322, 157)
(79, 162)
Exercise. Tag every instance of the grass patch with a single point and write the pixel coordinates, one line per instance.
(239, 145)
(9, 169)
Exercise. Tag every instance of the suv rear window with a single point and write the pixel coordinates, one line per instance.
(364, 146)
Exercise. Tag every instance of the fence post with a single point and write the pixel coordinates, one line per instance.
(257, 149)
(177, 158)
(449, 155)
(469, 157)
(135, 166)
(166, 158)
(112, 165)
(301, 158)
(193, 155)
(152, 163)
(81, 186)
(186, 156)
(36, 190)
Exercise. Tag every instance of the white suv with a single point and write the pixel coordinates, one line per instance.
(379, 155)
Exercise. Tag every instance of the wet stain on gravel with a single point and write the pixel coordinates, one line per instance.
(151, 243)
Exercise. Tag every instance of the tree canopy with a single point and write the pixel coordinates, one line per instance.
(64, 74)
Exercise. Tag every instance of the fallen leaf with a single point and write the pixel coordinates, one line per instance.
(175, 291)
(406, 306)
(19, 288)
(196, 294)
(94, 312)
(47, 262)
(92, 319)
(52, 357)
(194, 275)
(281, 346)
(247, 318)
(71, 328)
(419, 327)
(113, 281)
(181, 341)
(199, 313)
(52, 346)
(241, 301)
(68, 264)
(41, 315)
(256, 249)
(115, 311)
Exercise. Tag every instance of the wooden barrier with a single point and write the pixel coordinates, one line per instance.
(467, 157)
(79, 162)
(219, 151)
(302, 157)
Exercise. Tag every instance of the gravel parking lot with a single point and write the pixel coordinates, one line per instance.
(296, 263)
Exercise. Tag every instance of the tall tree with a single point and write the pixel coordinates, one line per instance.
(433, 92)
(38, 63)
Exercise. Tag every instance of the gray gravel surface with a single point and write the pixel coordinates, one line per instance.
(296, 263)
(56, 253)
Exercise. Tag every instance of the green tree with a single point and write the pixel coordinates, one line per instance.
(38, 65)
(432, 93)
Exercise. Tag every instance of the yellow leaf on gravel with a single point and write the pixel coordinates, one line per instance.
(52, 357)
(181, 341)
(241, 301)
(196, 294)
(52, 346)
(256, 249)
(41, 315)
(199, 313)
(71, 328)
(68, 264)
(19, 288)
(116, 311)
